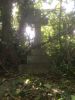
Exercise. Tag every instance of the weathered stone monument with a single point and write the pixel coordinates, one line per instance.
(37, 61)
(37, 55)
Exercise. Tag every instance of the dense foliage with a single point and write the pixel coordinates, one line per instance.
(57, 41)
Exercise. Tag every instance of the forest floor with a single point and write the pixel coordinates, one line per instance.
(48, 86)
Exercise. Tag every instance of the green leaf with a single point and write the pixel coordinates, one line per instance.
(73, 97)
(61, 99)
(47, 86)
(38, 97)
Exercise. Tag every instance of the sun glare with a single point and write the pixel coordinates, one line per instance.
(46, 5)
(67, 6)
(14, 9)
(30, 32)
(74, 31)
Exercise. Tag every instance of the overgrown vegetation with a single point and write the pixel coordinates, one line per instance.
(57, 41)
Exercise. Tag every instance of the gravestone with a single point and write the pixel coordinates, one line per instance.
(37, 61)
(38, 56)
